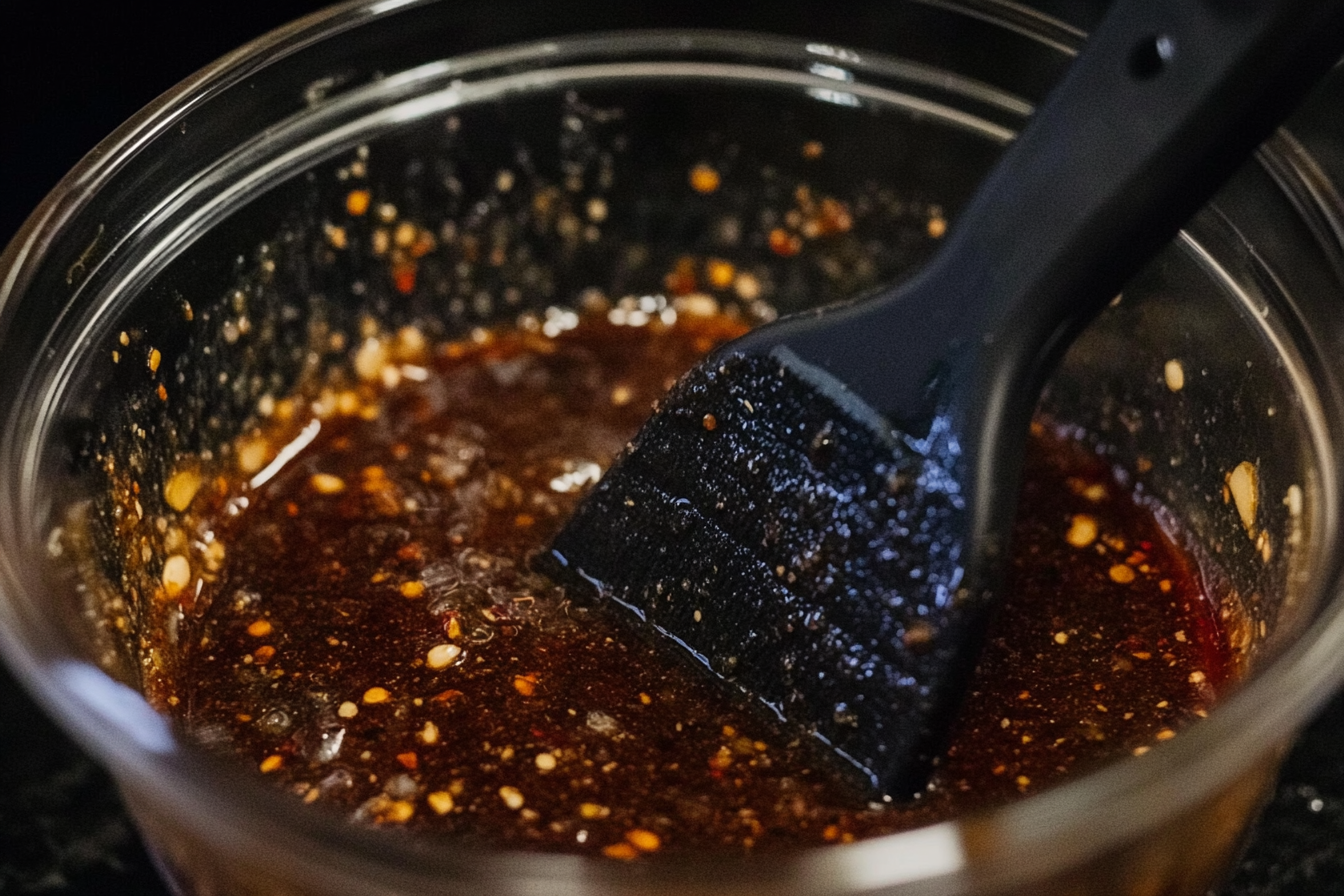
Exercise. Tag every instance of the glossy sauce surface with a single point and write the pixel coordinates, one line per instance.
(375, 642)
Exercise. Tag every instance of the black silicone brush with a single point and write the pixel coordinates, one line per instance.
(820, 511)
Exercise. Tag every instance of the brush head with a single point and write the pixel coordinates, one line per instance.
(797, 547)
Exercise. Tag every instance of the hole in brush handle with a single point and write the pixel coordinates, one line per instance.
(1150, 56)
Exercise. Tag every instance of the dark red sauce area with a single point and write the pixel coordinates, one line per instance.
(1080, 666)
(376, 643)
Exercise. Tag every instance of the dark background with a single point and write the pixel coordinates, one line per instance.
(70, 74)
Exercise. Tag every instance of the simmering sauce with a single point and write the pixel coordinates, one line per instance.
(373, 639)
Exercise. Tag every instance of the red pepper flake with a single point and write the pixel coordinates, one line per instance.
(403, 277)
(722, 759)
(681, 280)
(834, 217)
(447, 696)
(423, 245)
(497, 614)
(785, 244)
(452, 624)
(409, 761)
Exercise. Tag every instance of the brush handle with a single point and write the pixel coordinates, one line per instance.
(1167, 98)
(1165, 102)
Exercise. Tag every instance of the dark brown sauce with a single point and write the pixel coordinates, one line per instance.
(375, 642)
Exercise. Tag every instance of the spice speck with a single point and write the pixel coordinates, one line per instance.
(327, 484)
(643, 840)
(1121, 574)
(704, 179)
(512, 797)
(1083, 530)
(181, 488)
(357, 202)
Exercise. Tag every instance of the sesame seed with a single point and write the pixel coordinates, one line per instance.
(441, 656)
(176, 574)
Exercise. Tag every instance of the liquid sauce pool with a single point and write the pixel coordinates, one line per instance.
(374, 641)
